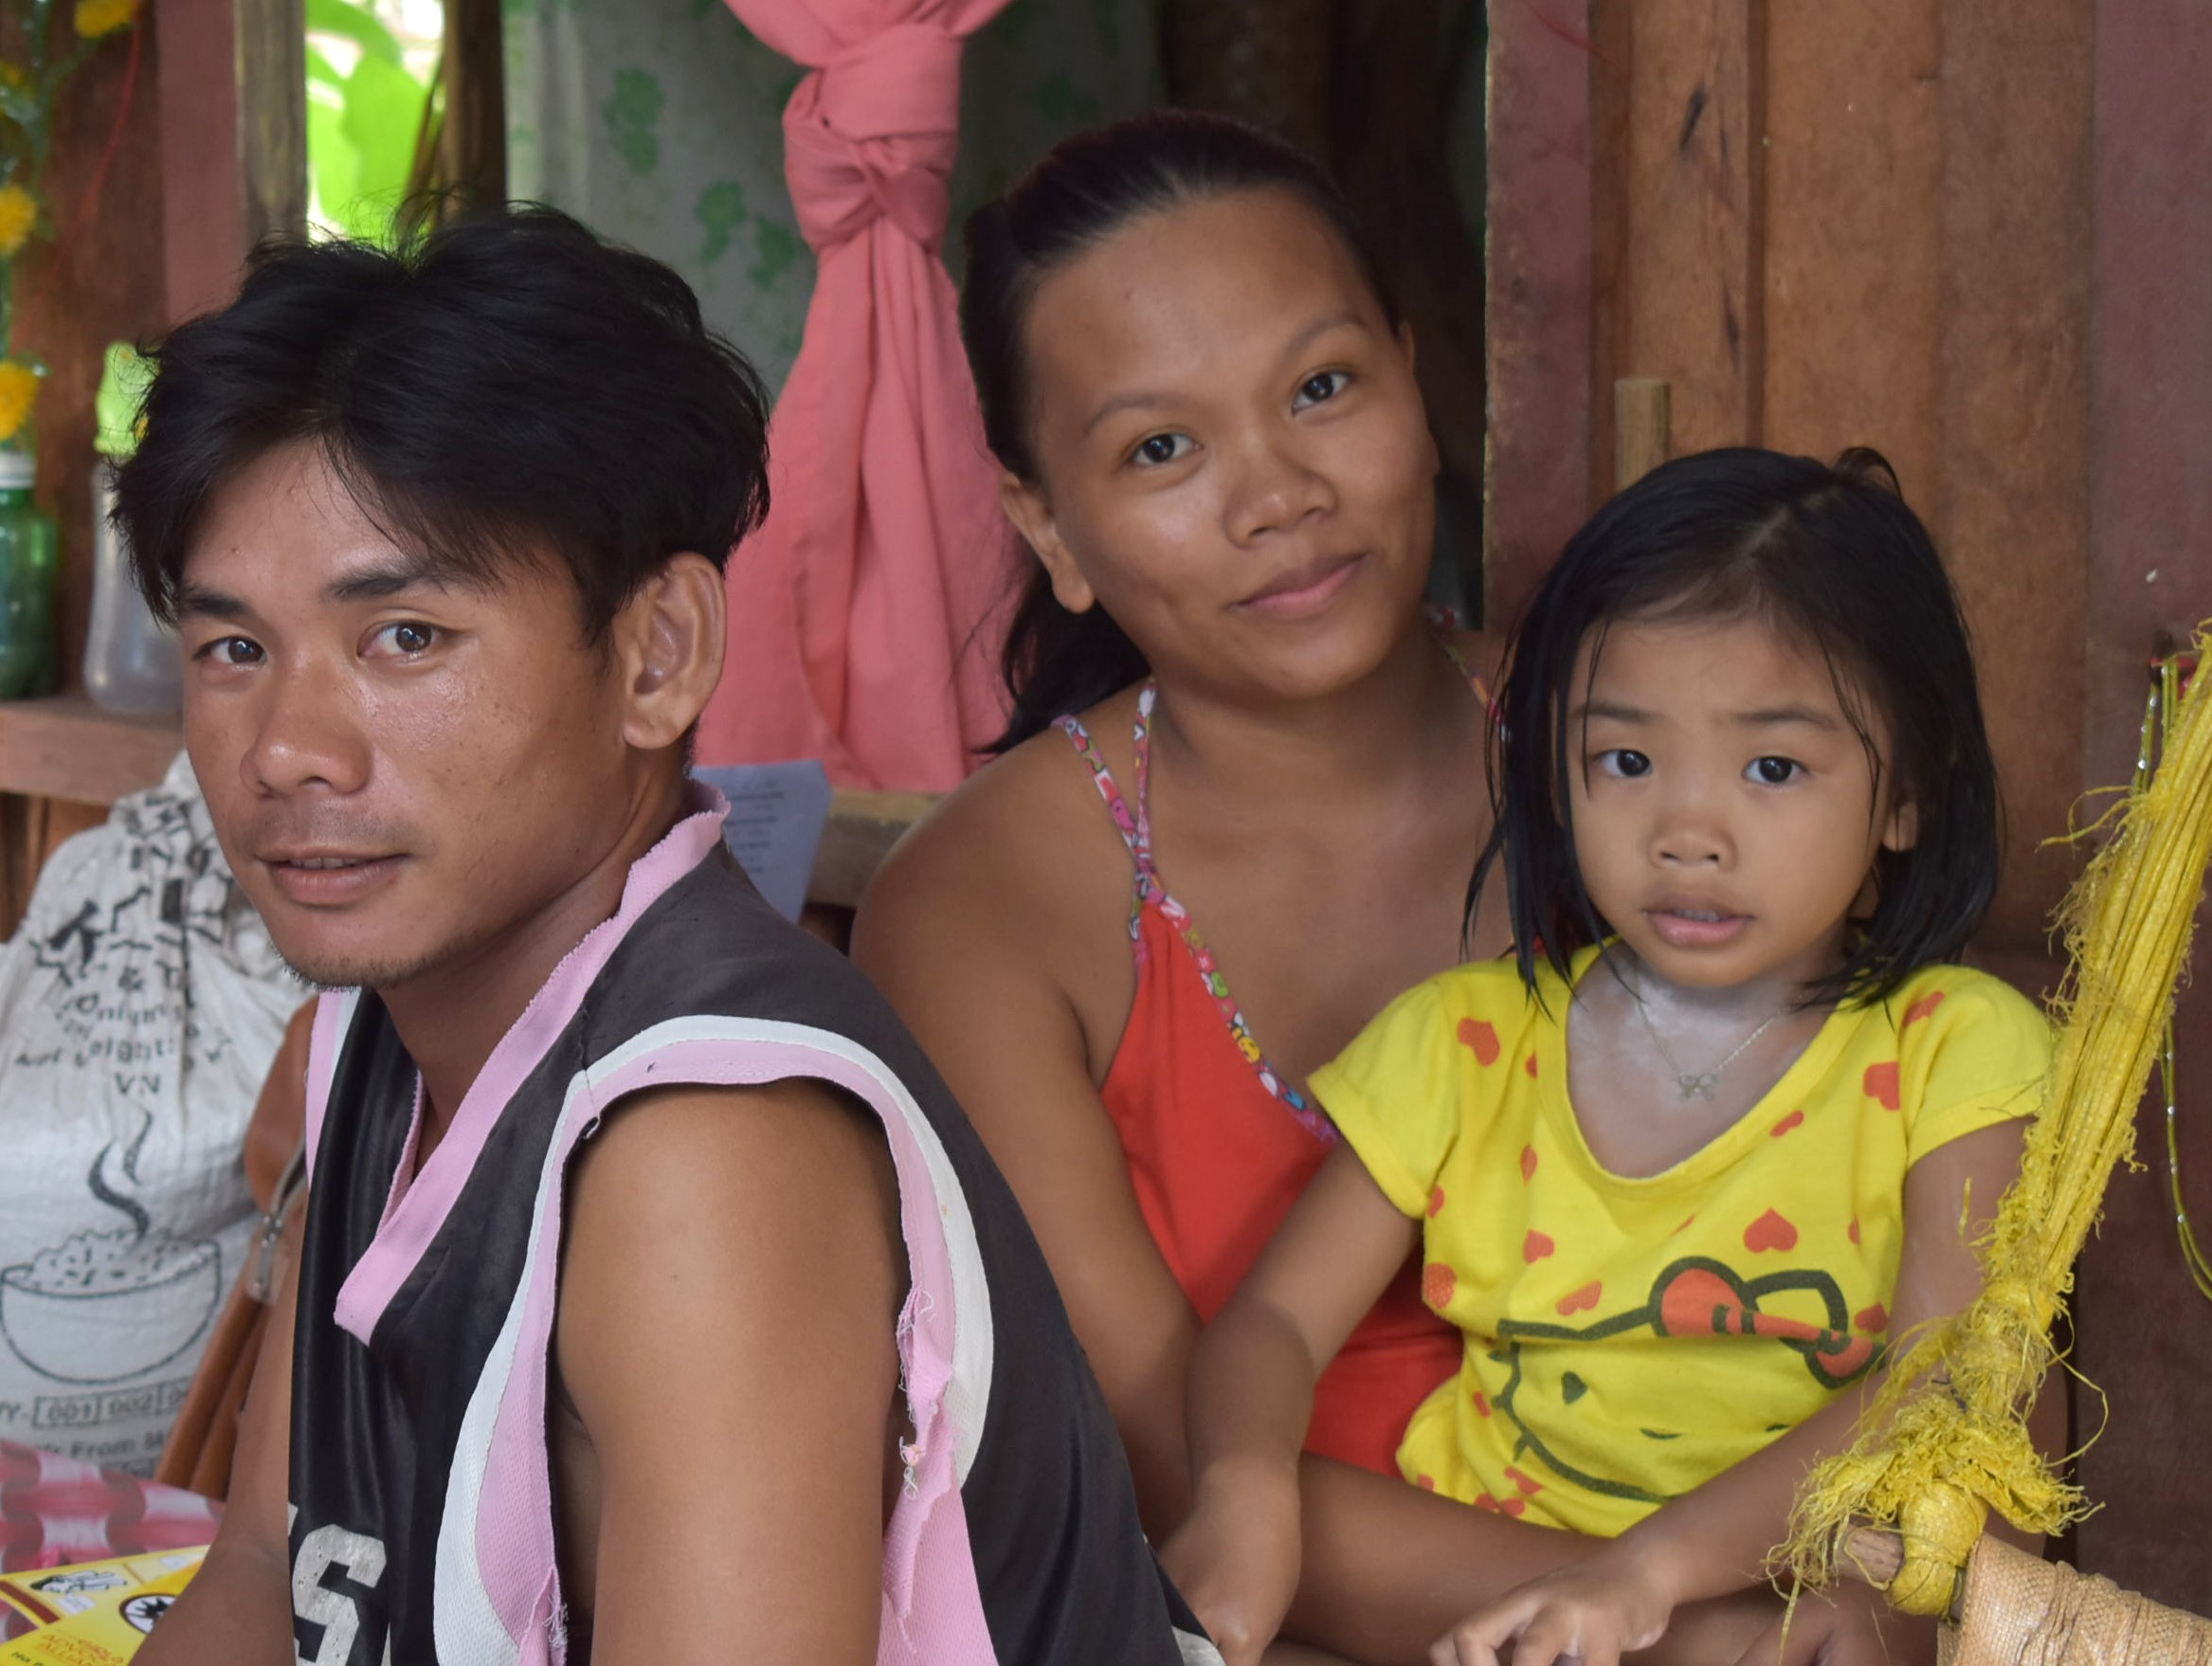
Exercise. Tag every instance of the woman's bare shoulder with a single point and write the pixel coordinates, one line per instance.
(1025, 844)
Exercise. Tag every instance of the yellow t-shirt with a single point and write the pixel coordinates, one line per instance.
(1628, 1339)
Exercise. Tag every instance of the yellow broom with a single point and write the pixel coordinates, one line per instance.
(1944, 1439)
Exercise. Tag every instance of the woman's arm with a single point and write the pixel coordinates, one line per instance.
(968, 948)
(1252, 1379)
(1717, 1538)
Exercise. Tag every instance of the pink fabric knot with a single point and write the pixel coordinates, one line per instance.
(873, 134)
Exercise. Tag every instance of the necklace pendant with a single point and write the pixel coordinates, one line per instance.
(1698, 1085)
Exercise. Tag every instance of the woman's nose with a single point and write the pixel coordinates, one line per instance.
(1277, 488)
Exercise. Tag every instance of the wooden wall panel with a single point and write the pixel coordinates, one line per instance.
(1538, 325)
(1685, 210)
(2145, 1332)
(2013, 405)
(1854, 160)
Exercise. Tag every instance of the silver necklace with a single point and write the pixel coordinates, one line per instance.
(1700, 1084)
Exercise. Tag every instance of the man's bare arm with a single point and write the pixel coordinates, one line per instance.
(730, 1292)
(238, 1609)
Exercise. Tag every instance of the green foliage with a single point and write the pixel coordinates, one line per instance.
(362, 127)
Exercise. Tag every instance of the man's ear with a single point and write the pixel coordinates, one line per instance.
(668, 641)
(1025, 506)
(1902, 830)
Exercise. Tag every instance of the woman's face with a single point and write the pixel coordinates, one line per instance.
(1232, 455)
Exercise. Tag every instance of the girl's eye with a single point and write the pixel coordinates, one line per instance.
(1323, 385)
(405, 637)
(233, 650)
(1158, 448)
(1773, 772)
(1624, 762)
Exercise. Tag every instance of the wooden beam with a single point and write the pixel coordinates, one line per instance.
(1686, 87)
(1642, 428)
(68, 748)
(233, 139)
(1537, 332)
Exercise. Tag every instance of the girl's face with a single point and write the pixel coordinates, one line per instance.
(1233, 457)
(1725, 808)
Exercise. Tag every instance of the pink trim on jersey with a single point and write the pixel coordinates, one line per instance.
(933, 1606)
(323, 1041)
(414, 1221)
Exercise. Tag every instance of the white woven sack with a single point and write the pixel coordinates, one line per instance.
(141, 1004)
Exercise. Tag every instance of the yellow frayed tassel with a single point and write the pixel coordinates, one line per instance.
(1945, 1439)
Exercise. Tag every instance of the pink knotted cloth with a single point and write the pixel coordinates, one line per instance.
(866, 614)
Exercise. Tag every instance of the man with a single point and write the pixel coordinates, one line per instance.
(655, 1302)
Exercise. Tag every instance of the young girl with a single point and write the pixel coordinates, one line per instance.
(1682, 1170)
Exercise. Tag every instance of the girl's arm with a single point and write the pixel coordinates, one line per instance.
(1718, 1539)
(1252, 1376)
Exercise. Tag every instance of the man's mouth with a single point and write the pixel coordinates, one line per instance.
(327, 879)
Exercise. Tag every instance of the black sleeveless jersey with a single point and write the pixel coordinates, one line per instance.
(421, 1497)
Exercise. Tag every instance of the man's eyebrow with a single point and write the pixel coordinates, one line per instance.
(199, 602)
(372, 581)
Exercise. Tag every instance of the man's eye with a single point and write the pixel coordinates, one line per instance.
(1624, 762)
(1322, 384)
(1773, 772)
(406, 638)
(233, 650)
(1158, 448)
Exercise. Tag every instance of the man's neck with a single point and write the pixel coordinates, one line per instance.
(451, 1015)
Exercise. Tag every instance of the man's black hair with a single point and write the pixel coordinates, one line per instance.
(505, 388)
(1829, 553)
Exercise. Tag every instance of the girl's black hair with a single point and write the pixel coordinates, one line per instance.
(1830, 552)
(1085, 189)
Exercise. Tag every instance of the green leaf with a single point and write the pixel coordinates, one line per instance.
(382, 117)
(352, 21)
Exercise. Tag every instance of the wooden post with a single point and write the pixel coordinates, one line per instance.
(233, 139)
(1642, 428)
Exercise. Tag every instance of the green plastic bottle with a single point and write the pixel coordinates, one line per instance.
(28, 556)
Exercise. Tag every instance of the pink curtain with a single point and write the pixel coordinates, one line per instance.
(858, 613)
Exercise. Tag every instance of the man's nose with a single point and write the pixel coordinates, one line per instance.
(307, 734)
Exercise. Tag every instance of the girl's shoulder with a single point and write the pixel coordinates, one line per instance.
(1948, 1003)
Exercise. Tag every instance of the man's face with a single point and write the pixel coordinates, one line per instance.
(403, 770)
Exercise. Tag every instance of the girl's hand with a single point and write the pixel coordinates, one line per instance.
(1236, 1558)
(1594, 1611)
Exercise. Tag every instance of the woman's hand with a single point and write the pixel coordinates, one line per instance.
(1594, 1611)
(1236, 1558)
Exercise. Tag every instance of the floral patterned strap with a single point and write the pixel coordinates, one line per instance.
(1132, 835)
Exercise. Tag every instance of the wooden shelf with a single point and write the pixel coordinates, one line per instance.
(66, 747)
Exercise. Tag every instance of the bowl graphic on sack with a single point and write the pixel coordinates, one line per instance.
(105, 1307)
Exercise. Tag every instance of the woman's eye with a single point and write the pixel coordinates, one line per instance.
(233, 650)
(406, 638)
(1322, 386)
(1773, 772)
(1158, 448)
(1624, 762)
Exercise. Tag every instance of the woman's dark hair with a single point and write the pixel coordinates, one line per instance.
(1082, 193)
(1830, 554)
(505, 388)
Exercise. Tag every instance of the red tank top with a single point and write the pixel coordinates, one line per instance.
(1219, 1144)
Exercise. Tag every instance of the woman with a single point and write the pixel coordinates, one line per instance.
(1213, 442)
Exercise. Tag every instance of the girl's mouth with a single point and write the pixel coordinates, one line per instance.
(1696, 927)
